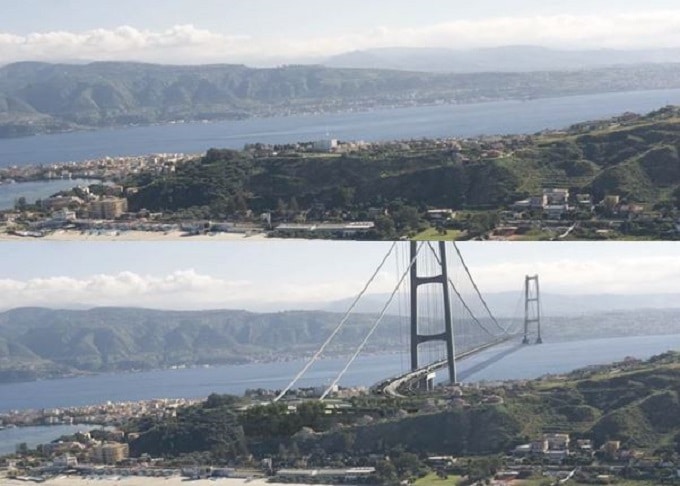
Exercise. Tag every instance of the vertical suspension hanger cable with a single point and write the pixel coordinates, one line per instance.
(338, 327)
(465, 305)
(373, 328)
(401, 302)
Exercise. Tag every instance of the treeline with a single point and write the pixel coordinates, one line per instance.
(225, 182)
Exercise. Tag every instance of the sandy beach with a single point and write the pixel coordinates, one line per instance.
(64, 235)
(136, 481)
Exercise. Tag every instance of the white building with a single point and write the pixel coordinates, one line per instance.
(326, 145)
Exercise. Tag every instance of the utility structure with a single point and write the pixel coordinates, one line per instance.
(532, 308)
(446, 334)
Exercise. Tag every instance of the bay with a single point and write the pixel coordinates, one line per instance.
(32, 191)
(462, 120)
(32, 436)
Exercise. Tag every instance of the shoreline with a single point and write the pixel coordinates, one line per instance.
(68, 480)
(137, 235)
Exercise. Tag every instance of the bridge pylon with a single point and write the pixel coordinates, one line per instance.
(532, 308)
(446, 334)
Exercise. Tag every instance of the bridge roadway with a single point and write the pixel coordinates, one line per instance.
(392, 386)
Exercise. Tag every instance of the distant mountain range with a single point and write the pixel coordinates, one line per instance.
(498, 59)
(40, 97)
(38, 342)
(41, 343)
(510, 304)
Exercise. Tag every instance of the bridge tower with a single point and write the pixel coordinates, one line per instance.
(532, 308)
(446, 334)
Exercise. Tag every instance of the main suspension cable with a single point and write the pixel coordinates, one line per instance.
(374, 327)
(474, 285)
(338, 327)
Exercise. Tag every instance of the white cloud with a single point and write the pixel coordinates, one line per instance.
(629, 276)
(180, 290)
(189, 44)
(183, 289)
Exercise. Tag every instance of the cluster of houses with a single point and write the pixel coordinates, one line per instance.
(556, 447)
(555, 203)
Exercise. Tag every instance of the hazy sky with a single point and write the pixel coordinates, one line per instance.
(186, 275)
(260, 31)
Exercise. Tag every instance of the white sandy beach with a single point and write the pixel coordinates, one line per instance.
(64, 235)
(137, 481)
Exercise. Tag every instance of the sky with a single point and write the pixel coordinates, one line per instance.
(265, 32)
(281, 274)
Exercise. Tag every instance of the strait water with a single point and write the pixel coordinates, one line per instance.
(523, 363)
(436, 121)
(9, 193)
(32, 436)
(464, 120)
(501, 363)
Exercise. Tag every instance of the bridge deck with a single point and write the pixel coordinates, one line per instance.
(391, 387)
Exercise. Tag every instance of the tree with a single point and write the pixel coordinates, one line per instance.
(386, 473)
(20, 204)
(216, 400)
(238, 202)
(407, 465)
(384, 228)
(406, 218)
(281, 207)
(342, 197)
(676, 197)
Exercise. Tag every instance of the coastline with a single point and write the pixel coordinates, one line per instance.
(69, 235)
(64, 480)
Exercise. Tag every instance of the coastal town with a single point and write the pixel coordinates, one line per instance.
(553, 210)
(560, 455)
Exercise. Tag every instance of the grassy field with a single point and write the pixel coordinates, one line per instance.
(535, 235)
(431, 234)
(432, 480)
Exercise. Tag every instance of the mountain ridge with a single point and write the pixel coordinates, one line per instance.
(40, 97)
(38, 342)
(511, 58)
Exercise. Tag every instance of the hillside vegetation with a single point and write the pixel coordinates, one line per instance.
(37, 342)
(40, 97)
(634, 157)
(633, 402)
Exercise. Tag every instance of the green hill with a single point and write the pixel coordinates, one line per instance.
(635, 157)
(633, 402)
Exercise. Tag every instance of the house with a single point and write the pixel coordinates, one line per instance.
(539, 446)
(338, 230)
(307, 476)
(440, 214)
(556, 211)
(107, 208)
(557, 441)
(556, 196)
(534, 202)
(584, 200)
(326, 145)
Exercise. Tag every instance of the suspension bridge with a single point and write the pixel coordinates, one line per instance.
(449, 318)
